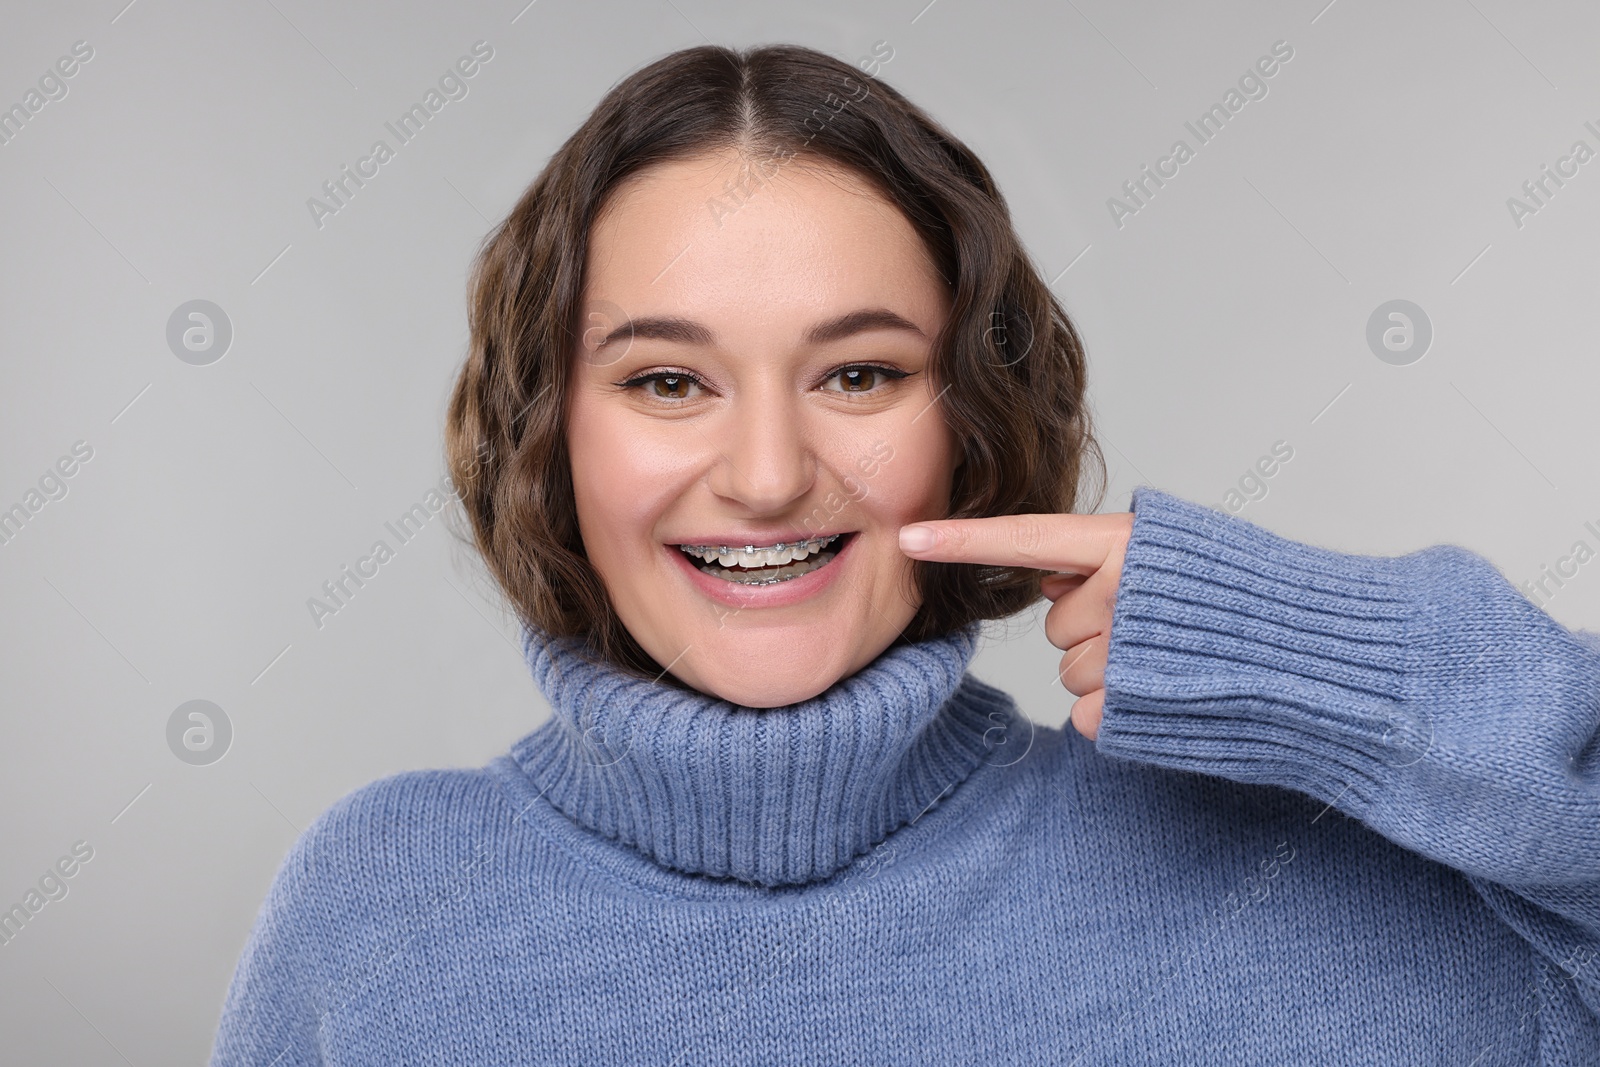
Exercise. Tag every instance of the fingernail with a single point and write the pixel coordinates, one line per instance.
(917, 538)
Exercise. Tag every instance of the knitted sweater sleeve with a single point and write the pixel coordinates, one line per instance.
(1421, 694)
(276, 1001)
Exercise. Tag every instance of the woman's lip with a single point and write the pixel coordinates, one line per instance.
(757, 543)
(776, 595)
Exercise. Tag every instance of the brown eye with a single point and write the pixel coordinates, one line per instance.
(663, 387)
(864, 378)
(858, 379)
(676, 387)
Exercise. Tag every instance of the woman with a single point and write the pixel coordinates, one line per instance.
(766, 410)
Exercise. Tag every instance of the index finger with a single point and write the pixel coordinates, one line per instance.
(1052, 542)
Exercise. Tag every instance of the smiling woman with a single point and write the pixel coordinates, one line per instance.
(801, 332)
(751, 481)
(653, 370)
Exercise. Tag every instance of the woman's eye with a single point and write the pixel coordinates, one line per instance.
(672, 386)
(664, 385)
(860, 378)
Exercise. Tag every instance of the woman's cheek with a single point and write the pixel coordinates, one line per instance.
(904, 475)
(624, 465)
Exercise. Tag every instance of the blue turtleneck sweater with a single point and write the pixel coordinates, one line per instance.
(1341, 810)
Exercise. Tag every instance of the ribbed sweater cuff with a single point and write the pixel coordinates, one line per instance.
(1422, 693)
(1240, 653)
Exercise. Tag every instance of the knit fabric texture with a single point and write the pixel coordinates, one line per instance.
(1342, 809)
(775, 796)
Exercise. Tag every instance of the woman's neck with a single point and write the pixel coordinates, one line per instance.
(770, 796)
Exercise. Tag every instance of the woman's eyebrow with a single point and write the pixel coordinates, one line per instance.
(689, 332)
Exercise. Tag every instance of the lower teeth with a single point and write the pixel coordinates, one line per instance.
(770, 576)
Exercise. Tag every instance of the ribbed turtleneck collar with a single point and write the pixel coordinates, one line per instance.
(770, 796)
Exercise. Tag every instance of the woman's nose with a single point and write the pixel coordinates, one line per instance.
(766, 460)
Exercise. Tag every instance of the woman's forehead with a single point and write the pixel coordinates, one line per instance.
(812, 241)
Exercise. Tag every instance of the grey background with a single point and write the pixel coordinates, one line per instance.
(1228, 314)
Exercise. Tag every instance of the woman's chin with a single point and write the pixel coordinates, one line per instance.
(743, 673)
(757, 689)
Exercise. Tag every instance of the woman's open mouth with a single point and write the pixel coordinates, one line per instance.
(766, 566)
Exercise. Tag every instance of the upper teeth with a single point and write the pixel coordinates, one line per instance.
(751, 556)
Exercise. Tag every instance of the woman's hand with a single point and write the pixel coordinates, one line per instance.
(1089, 548)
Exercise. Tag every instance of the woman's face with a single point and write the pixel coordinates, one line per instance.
(775, 389)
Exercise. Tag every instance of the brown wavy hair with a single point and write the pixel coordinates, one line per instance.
(1009, 366)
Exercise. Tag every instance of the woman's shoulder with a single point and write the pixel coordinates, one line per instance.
(416, 800)
(365, 891)
(401, 836)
